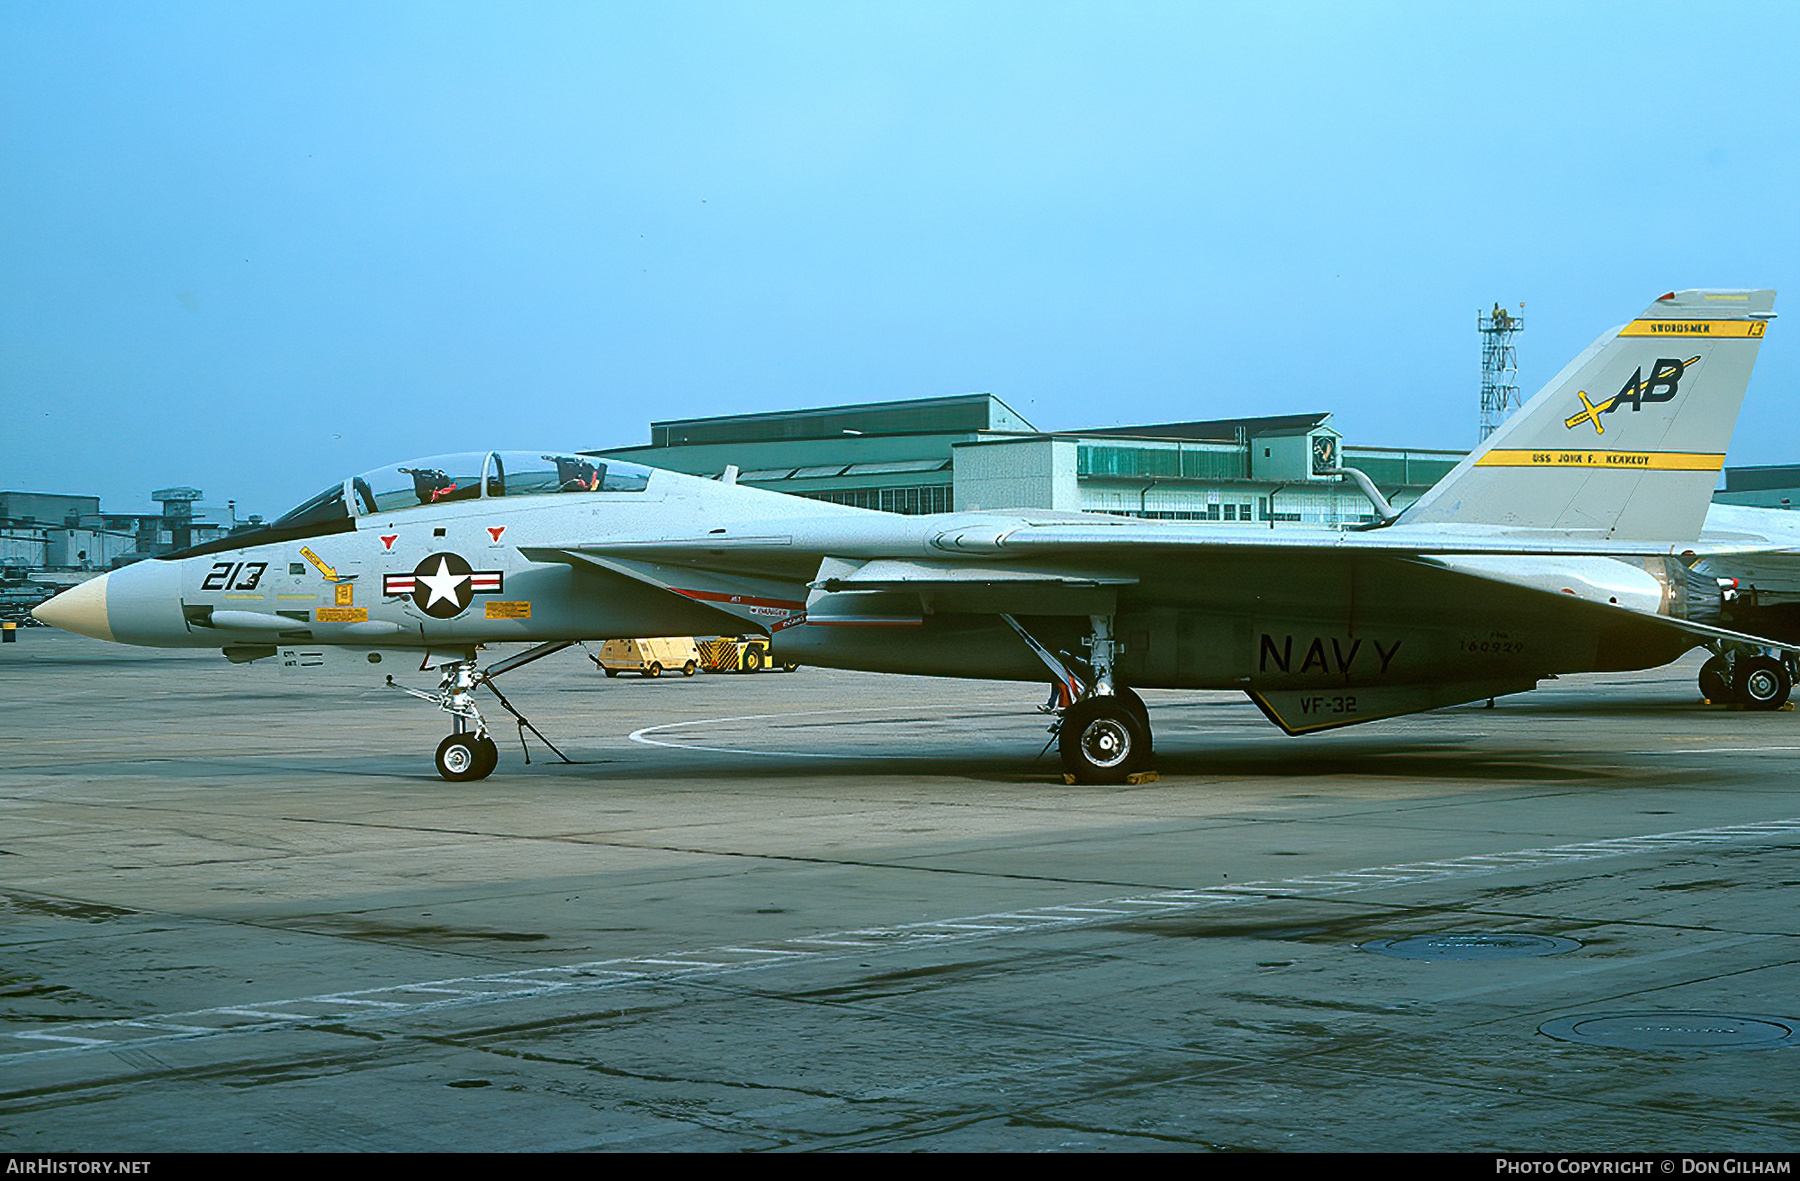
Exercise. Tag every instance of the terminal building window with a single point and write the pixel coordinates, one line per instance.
(911, 501)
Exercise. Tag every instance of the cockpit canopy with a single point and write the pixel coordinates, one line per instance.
(471, 475)
(439, 479)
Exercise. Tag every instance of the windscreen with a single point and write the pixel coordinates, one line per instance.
(314, 517)
(326, 506)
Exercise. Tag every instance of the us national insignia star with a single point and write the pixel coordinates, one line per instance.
(443, 585)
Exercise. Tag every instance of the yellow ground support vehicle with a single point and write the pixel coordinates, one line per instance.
(735, 654)
(649, 657)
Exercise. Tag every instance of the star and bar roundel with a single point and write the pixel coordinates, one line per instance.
(443, 585)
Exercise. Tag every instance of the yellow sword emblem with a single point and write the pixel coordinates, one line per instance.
(1591, 413)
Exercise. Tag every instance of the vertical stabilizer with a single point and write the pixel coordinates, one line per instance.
(1628, 440)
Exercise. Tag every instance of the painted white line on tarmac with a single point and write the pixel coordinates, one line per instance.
(644, 735)
(529, 983)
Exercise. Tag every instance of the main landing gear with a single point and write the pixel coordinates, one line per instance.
(1750, 677)
(470, 751)
(1103, 739)
(1102, 729)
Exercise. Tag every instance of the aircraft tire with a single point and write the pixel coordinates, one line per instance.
(1762, 682)
(490, 756)
(789, 666)
(1102, 740)
(1129, 698)
(459, 758)
(1715, 680)
(753, 660)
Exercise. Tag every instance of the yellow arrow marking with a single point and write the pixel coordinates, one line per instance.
(325, 571)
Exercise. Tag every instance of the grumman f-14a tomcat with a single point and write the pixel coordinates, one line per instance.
(1564, 544)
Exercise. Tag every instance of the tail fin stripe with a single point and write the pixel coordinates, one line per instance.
(1661, 461)
(1714, 328)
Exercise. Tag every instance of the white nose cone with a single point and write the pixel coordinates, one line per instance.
(80, 609)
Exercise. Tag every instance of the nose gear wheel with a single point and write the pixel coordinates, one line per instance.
(462, 757)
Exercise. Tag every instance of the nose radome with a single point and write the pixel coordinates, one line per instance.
(80, 609)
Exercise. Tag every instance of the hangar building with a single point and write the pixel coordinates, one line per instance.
(973, 451)
(1769, 485)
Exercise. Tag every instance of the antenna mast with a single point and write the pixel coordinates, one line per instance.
(1499, 366)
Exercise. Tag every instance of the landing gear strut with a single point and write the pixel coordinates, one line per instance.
(1103, 728)
(470, 751)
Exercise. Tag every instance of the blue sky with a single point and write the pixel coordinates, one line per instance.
(254, 248)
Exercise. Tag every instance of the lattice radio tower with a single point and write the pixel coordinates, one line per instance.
(1499, 366)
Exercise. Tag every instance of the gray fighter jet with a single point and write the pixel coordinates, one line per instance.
(1565, 544)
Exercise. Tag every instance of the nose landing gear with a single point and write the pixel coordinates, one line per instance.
(470, 751)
